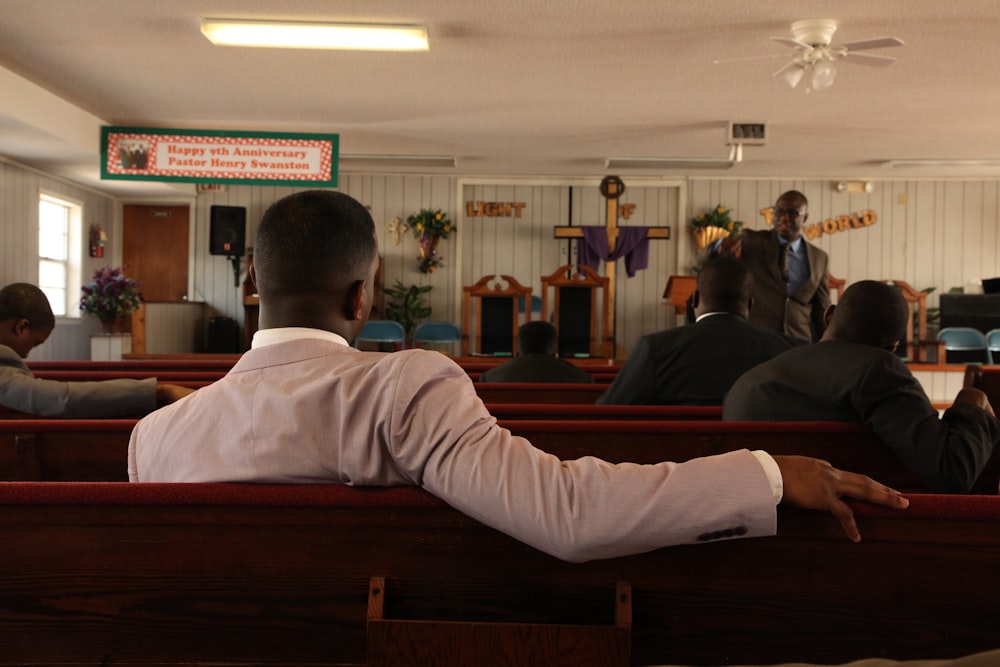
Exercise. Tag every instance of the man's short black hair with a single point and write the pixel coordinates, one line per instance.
(26, 301)
(872, 313)
(537, 337)
(725, 284)
(311, 240)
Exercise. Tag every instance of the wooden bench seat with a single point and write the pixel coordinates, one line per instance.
(171, 574)
(97, 450)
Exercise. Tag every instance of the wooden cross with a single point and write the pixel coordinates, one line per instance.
(612, 188)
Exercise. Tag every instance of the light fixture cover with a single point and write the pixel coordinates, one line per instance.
(823, 74)
(307, 35)
(666, 163)
(793, 75)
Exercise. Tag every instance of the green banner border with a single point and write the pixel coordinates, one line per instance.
(107, 130)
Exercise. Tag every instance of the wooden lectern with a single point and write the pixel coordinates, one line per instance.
(679, 289)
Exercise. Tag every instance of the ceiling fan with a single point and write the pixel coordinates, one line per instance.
(816, 54)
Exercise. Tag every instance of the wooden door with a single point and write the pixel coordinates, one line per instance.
(155, 250)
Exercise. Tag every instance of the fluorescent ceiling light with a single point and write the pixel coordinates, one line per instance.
(303, 35)
(984, 162)
(398, 160)
(666, 163)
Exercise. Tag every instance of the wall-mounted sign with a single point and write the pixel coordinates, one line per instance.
(494, 209)
(841, 223)
(218, 156)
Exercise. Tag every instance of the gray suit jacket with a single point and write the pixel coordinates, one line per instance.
(801, 314)
(312, 410)
(21, 390)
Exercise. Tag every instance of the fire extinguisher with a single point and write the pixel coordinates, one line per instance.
(97, 240)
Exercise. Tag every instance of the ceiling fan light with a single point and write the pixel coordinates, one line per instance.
(823, 74)
(793, 75)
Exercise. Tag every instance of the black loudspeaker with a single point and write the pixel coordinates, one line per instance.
(228, 231)
(223, 335)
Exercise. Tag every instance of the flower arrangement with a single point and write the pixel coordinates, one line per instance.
(718, 217)
(430, 223)
(110, 295)
(714, 225)
(429, 227)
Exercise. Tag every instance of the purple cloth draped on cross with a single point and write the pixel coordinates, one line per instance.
(632, 243)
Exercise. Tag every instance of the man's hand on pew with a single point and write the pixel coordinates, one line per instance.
(815, 484)
(168, 393)
(976, 397)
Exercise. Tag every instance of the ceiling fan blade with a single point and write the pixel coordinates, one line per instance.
(877, 43)
(723, 61)
(794, 43)
(784, 67)
(868, 59)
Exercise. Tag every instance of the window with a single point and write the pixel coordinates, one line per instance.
(58, 264)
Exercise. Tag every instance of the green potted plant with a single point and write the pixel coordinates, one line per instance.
(407, 305)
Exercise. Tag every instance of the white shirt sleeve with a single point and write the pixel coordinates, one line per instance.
(773, 473)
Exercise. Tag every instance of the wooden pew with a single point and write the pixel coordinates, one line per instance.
(72, 450)
(539, 392)
(578, 411)
(132, 365)
(97, 450)
(100, 375)
(130, 574)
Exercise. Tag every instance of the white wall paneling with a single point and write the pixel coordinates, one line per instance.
(940, 234)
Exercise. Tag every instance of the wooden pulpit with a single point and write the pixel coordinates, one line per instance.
(574, 311)
(491, 315)
(679, 289)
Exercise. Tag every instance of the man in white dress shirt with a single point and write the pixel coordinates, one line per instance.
(303, 406)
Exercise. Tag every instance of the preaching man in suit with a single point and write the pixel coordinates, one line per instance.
(853, 374)
(696, 364)
(304, 406)
(537, 359)
(791, 275)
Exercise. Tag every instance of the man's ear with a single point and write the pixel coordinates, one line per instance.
(695, 298)
(356, 303)
(750, 302)
(21, 326)
(252, 273)
(828, 314)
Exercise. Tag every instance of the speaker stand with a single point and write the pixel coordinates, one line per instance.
(236, 270)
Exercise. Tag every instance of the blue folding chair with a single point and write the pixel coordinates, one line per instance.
(993, 345)
(436, 333)
(382, 331)
(968, 345)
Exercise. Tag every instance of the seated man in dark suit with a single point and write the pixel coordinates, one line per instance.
(853, 374)
(696, 364)
(536, 359)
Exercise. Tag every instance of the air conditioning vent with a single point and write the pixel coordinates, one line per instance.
(748, 134)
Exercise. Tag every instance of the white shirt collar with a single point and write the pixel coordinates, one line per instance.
(795, 245)
(284, 334)
(718, 312)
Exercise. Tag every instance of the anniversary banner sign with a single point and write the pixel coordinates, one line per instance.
(218, 156)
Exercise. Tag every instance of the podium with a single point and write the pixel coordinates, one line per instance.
(679, 290)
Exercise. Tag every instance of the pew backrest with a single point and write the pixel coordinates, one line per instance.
(97, 449)
(228, 573)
